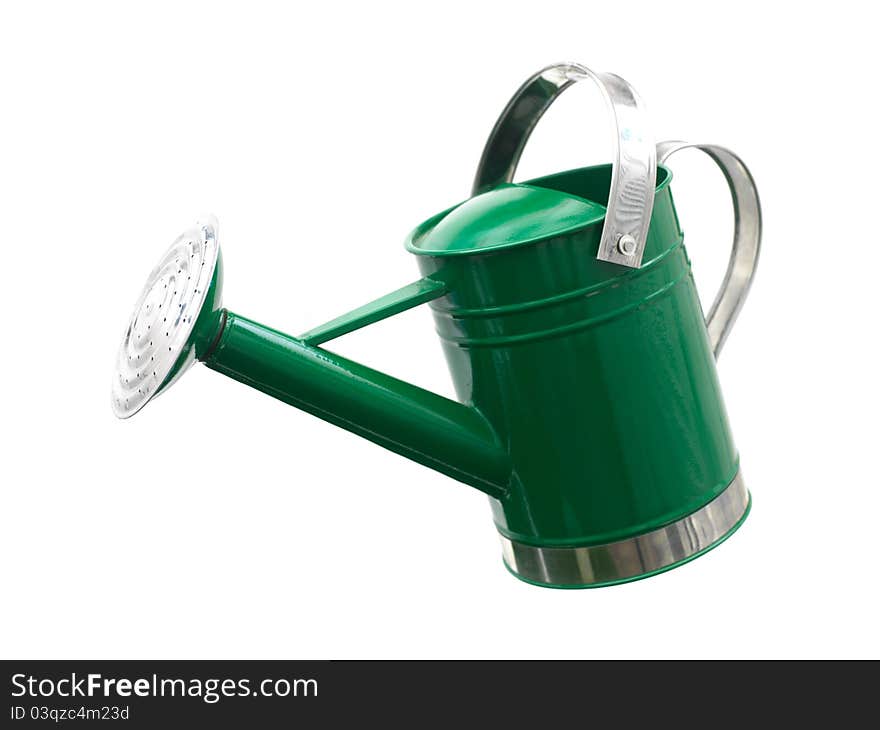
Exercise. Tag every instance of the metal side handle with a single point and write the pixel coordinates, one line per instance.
(634, 170)
(746, 237)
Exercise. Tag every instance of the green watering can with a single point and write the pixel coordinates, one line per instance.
(589, 407)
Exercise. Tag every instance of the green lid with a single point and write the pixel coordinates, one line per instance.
(508, 215)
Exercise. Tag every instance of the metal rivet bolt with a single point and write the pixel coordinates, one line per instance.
(626, 244)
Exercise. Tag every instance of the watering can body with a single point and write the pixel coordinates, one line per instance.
(589, 409)
(600, 382)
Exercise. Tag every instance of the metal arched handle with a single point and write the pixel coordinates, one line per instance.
(746, 237)
(634, 170)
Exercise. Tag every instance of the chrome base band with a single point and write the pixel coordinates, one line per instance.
(635, 557)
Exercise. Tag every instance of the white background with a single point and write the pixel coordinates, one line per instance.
(221, 523)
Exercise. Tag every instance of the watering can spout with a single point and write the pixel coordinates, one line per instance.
(440, 433)
(179, 319)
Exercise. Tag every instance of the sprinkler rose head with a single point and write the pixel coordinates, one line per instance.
(175, 318)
